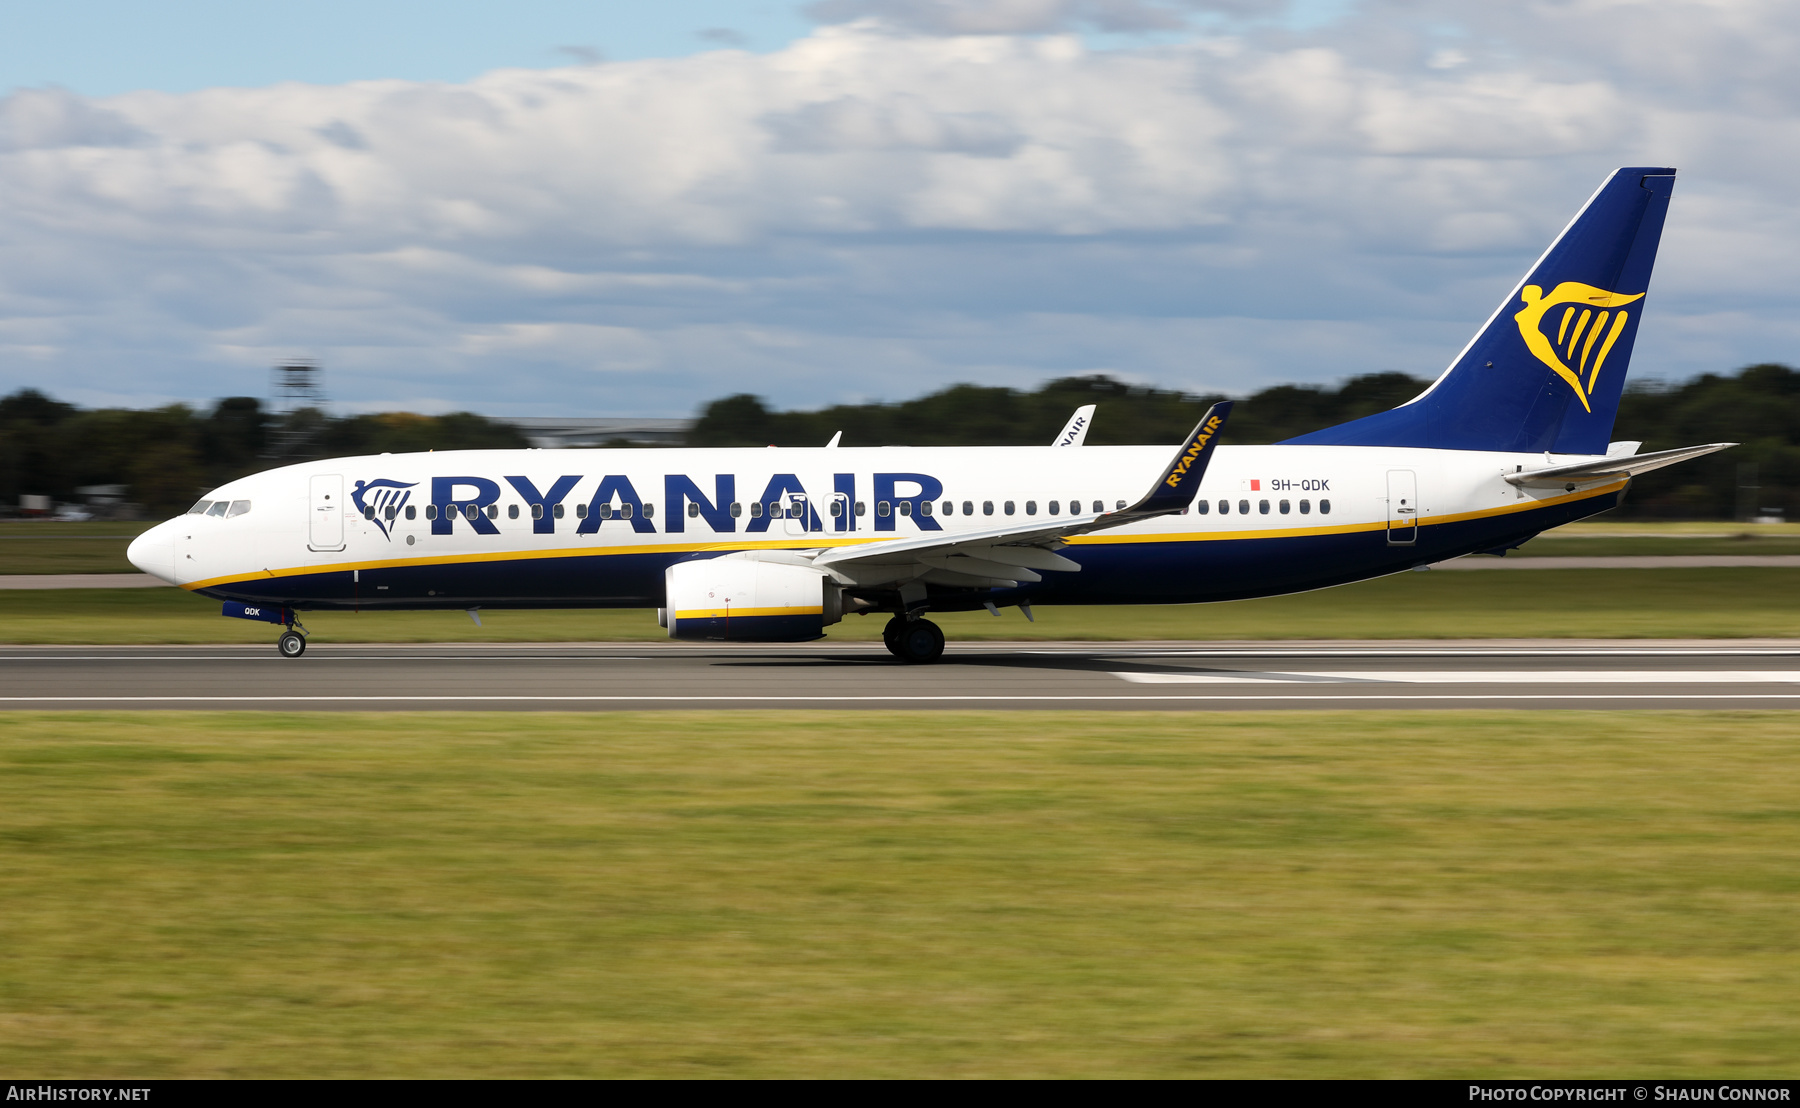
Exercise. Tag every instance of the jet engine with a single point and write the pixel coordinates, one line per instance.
(741, 598)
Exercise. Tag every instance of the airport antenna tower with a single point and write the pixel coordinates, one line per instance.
(298, 408)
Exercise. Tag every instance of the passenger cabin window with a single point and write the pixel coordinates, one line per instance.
(1031, 507)
(924, 507)
(606, 511)
(218, 508)
(1284, 507)
(1203, 506)
(199, 509)
(969, 508)
(774, 509)
(1055, 507)
(882, 508)
(368, 513)
(694, 510)
(1262, 506)
(987, 507)
(1224, 507)
(512, 511)
(649, 511)
(412, 512)
(430, 511)
(1119, 506)
(1099, 506)
(755, 510)
(1324, 507)
(557, 511)
(493, 511)
(1306, 507)
(860, 506)
(390, 511)
(949, 507)
(581, 511)
(1008, 507)
(906, 507)
(1243, 507)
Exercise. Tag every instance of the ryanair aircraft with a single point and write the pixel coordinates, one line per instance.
(775, 545)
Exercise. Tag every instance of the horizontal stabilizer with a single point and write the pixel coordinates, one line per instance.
(1607, 469)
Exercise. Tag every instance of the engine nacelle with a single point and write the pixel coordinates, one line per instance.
(738, 598)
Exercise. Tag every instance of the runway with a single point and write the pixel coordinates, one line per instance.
(1543, 674)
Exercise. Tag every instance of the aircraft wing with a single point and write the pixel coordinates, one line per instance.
(1006, 555)
(1611, 467)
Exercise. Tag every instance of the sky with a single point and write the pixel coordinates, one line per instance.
(558, 208)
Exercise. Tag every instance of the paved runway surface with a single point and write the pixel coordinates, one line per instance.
(1470, 674)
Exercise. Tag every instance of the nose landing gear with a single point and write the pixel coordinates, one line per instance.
(915, 641)
(292, 644)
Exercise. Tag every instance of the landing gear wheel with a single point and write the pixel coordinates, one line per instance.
(920, 642)
(890, 634)
(292, 644)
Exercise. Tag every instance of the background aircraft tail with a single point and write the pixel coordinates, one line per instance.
(1546, 370)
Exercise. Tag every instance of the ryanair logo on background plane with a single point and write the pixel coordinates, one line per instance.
(1585, 329)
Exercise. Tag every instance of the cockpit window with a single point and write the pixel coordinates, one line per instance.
(238, 508)
(200, 508)
(219, 508)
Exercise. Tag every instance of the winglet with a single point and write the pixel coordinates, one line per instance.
(1175, 489)
(1074, 432)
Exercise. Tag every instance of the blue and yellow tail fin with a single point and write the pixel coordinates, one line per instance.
(1546, 370)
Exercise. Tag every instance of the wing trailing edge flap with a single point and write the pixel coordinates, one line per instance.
(1004, 556)
(1610, 468)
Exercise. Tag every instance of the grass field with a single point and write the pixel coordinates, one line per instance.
(100, 547)
(44, 547)
(840, 894)
(1634, 603)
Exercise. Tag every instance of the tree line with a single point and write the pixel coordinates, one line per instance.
(1758, 406)
(168, 456)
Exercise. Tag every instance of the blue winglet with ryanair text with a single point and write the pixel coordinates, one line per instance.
(1176, 488)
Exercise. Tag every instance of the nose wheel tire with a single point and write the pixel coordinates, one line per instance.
(292, 644)
(919, 642)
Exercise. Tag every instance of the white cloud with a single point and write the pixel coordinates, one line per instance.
(888, 206)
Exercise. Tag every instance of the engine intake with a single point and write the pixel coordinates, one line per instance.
(740, 599)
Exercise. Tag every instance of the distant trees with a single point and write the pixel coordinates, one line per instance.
(1758, 406)
(168, 456)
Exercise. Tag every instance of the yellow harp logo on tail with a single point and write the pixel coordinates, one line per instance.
(1586, 329)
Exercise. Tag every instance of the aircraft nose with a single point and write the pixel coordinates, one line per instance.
(154, 552)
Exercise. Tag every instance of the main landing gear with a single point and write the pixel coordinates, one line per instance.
(917, 641)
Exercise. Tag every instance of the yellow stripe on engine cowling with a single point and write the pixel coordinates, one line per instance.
(746, 613)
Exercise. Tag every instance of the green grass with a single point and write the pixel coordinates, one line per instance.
(46, 547)
(884, 894)
(1582, 603)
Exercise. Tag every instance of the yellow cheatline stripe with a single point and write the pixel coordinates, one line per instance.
(814, 543)
(746, 613)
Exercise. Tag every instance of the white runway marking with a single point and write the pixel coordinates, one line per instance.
(1480, 677)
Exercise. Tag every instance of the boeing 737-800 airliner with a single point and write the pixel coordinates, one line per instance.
(776, 545)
